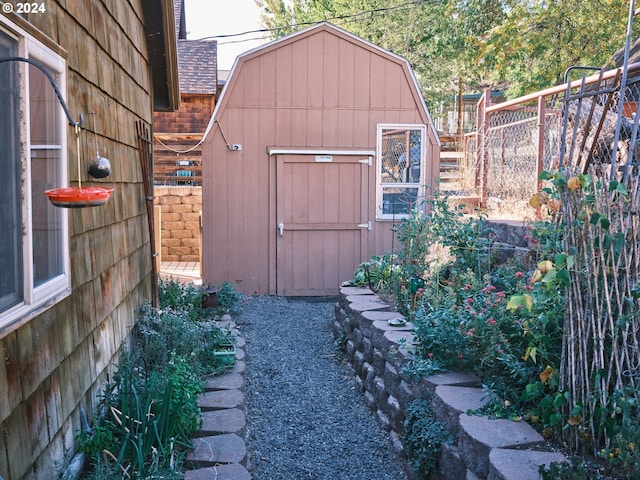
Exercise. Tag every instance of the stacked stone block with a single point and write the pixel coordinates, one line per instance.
(180, 223)
(378, 352)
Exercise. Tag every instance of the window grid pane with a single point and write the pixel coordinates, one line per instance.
(45, 131)
(396, 143)
(11, 277)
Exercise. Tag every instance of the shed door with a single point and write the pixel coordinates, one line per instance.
(321, 221)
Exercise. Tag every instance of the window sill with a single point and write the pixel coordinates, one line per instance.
(22, 314)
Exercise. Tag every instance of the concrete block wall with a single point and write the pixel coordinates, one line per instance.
(378, 352)
(179, 223)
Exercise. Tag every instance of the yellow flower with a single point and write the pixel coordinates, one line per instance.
(545, 266)
(573, 183)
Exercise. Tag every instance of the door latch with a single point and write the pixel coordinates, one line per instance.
(281, 229)
(365, 225)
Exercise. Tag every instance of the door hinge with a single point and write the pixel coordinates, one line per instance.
(366, 161)
(365, 225)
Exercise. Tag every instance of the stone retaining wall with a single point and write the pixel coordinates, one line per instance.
(485, 449)
(180, 222)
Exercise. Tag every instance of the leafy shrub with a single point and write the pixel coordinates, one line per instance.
(229, 299)
(422, 438)
(162, 334)
(575, 469)
(187, 297)
(148, 412)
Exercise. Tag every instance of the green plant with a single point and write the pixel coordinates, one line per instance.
(575, 469)
(161, 334)
(147, 420)
(377, 273)
(340, 344)
(96, 440)
(187, 297)
(422, 437)
(229, 299)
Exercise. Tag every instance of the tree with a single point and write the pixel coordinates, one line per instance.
(522, 45)
(539, 40)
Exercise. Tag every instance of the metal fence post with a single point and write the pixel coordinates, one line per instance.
(541, 129)
(481, 145)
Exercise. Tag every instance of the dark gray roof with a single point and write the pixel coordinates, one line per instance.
(198, 63)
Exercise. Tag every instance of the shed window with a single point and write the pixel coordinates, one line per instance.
(401, 160)
(34, 260)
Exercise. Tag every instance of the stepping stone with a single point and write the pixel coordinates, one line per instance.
(239, 367)
(219, 399)
(232, 471)
(478, 435)
(210, 451)
(240, 354)
(519, 464)
(231, 420)
(228, 381)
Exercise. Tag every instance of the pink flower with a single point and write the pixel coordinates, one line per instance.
(501, 294)
(459, 356)
(519, 274)
(469, 300)
(491, 321)
(430, 355)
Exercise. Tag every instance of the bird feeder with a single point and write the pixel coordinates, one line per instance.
(74, 197)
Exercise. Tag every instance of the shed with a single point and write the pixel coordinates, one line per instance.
(305, 164)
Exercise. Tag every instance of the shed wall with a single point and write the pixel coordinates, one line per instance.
(319, 91)
(59, 360)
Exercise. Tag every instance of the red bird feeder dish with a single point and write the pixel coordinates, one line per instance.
(79, 197)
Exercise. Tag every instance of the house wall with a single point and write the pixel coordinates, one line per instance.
(58, 361)
(192, 116)
(322, 90)
(176, 137)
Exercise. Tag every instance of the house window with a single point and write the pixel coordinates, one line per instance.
(401, 160)
(34, 260)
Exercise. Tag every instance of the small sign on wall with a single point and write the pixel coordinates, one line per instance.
(324, 158)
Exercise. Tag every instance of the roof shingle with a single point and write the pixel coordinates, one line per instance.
(197, 60)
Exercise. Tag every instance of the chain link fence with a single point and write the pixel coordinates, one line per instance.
(515, 141)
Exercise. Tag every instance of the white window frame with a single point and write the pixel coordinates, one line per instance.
(420, 185)
(35, 299)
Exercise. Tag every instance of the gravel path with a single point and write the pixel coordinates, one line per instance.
(305, 418)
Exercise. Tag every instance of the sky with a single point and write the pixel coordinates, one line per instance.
(207, 18)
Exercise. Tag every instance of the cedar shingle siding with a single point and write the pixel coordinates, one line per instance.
(56, 362)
